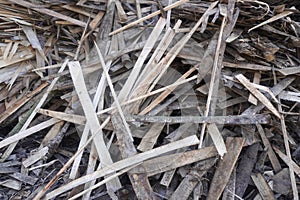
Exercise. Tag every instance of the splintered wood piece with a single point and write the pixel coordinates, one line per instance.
(161, 48)
(288, 153)
(272, 19)
(167, 178)
(173, 161)
(12, 183)
(290, 96)
(163, 95)
(284, 157)
(225, 167)
(217, 139)
(276, 90)
(250, 66)
(258, 94)
(274, 161)
(76, 119)
(18, 57)
(159, 51)
(191, 180)
(48, 12)
(263, 187)
(92, 120)
(244, 169)
(95, 22)
(229, 19)
(256, 80)
(25, 133)
(140, 182)
(127, 162)
(35, 157)
(18, 104)
(138, 9)
(24, 178)
(121, 13)
(289, 71)
(139, 63)
(166, 61)
(84, 137)
(150, 137)
(174, 5)
(32, 38)
(116, 101)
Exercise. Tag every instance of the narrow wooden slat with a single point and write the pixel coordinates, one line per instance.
(225, 167)
(90, 114)
(263, 187)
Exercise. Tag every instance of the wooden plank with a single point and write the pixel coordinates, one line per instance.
(225, 167)
(274, 161)
(263, 187)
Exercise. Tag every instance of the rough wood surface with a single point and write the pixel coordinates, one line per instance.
(138, 99)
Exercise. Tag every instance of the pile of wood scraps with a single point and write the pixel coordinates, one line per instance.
(136, 99)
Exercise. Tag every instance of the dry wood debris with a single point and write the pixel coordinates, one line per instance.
(136, 99)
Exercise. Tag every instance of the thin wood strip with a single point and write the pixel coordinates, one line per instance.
(174, 5)
(258, 94)
(90, 114)
(234, 119)
(274, 161)
(116, 101)
(288, 153)
(33, 114)
(276, 90)
(25, 133)
(41, 191)
(272, 19)
(287, 161)
(164, 64)
(263, 187)
(217, 138)
(139, 63)
(163, 95)
(15, 106)
(169, 162)
(256, 80)
(76, 119)
(87, 190)
(148, 94)
(48, 12)
(250, 66)
(192, 140)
